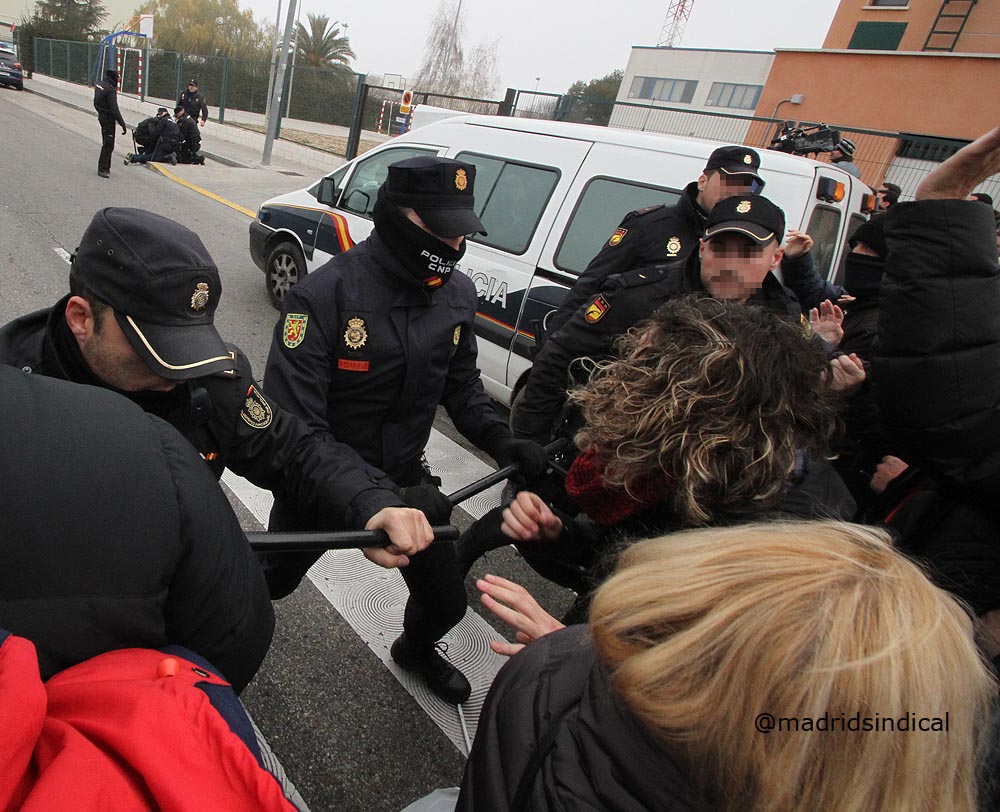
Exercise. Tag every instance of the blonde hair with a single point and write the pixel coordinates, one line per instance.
(706, 630)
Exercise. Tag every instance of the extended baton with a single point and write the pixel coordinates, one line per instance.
(345, 540)
(499, 475)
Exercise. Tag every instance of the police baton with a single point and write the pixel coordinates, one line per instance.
(500, 475)
(341, 540)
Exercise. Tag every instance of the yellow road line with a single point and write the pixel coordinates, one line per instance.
(199, 190)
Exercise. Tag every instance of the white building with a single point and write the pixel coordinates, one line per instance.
(696, 79)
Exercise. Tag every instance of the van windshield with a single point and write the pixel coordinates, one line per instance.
(823, 227)
(603, 205)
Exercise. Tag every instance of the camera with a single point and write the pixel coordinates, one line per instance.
(805, 140)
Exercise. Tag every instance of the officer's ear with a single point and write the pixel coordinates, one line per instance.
(702, 182)
(777, 257)
(80, 319)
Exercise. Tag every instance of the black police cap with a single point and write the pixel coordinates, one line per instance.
(162, 284)
(735, 161)
(752, 216)
(439, 190)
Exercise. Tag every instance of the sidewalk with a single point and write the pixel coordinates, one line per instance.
(227, 144)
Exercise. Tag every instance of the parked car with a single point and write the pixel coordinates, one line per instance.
(549, 194)
(11, 74)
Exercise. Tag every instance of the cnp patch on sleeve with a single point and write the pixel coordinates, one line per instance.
(596, 310)
(256, 412)
(295, 329)
(618, 236)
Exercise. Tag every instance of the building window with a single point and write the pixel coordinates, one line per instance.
(877, 36)
(668, 90)
(742, 97)
(888, 2)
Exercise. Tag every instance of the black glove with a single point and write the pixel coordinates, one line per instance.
(124, 131)
(430, 500)
(526, 453)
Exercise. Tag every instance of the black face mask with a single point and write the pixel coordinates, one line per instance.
(863, 273)
(425, 257)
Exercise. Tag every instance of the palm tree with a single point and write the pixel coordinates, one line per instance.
(322, 46)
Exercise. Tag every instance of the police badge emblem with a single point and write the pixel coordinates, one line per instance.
(747, 159)
(255, 412)
(673, 247)
(199, 299)
(743, 207)
(595, 312)
(355, 335)
(618, 236)
(295, 329)
(461, 180)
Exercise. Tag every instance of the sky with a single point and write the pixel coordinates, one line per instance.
(549, 44)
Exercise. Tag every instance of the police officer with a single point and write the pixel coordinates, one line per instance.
(193, 102)
(370, 344)
(165, 136)
(732, 262)
(661, 234)
(139, 320)
(190, 138)
(106, 105)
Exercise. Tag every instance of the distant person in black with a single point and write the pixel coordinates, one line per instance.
(167, 141)
(190, 138)
(106, 105)
(193, 102)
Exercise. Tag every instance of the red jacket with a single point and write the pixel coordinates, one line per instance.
(126, 731)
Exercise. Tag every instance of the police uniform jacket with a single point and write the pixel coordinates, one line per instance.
(193, 104)
(190, 134)
(106, 101)
(366, 351)
(170, 135)
(229, 421)
(115, 535)
(623, 301)
(650, 236)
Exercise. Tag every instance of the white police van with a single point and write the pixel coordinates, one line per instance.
(550, 194)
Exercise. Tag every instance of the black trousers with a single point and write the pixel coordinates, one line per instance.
(107, 141)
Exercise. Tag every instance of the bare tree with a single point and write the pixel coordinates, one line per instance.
(445, 67)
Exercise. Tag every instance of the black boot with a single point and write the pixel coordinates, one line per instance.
(443, 679)
(482, 537)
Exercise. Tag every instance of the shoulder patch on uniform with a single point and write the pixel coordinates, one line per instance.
(596, 309)
(618, 236)
(647, 210)
(256, 412)
(295, 329)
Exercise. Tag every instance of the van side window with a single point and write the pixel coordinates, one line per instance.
(603, 205)
(510, 199)
(852, 226)
(823, 227)
(370, 173)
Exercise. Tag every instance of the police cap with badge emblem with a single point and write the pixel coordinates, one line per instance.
(736, 161)
(752, 216)
(439, 190)
(163, 286)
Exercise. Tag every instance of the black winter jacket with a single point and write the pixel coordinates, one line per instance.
(230, 422)
(106, 101)
(190, 133)
(194, 104)
(937, 385)
(115, 535)
(369, 353)
(603, 758)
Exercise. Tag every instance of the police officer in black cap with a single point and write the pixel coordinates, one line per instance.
(626, 298)
(106, 105)
(139, 320)
(370, 344)
(661, 234)
(161, 140)
(193, 102)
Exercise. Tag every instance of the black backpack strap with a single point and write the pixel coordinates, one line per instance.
(545, 745)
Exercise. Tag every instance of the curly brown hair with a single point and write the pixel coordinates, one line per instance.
(717, 398)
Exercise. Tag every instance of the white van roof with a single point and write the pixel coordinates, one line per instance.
(694, 147)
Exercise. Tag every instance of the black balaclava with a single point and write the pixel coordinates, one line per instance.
(425, 258)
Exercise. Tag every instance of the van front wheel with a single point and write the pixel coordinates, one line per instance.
(285, 267)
